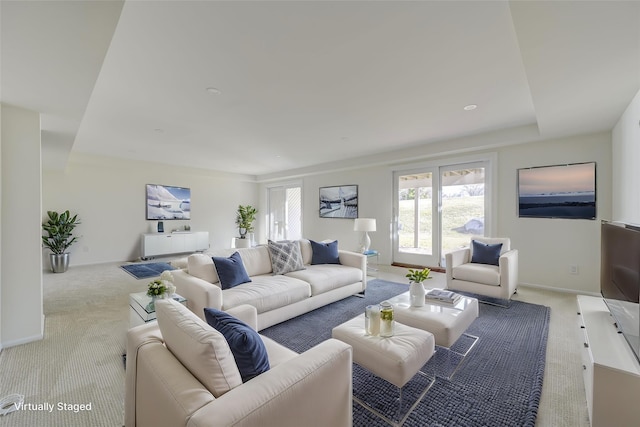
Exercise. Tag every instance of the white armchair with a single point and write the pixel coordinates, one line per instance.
(498, 281)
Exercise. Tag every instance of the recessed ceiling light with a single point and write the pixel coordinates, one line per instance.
(214, 91)
(470, 107)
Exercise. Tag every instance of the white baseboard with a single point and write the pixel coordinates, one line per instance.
(21, 341)
(564, 290)
(25, 340)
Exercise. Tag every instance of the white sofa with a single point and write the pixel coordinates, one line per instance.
(169, 363)
(276, 297)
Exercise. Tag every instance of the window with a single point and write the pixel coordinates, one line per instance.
(285, 212)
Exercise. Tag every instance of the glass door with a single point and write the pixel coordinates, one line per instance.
(285, 212)
(462, 206)
(415, 222)
(437, 210)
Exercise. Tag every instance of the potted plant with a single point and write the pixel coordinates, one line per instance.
(59, 228)
(416, 288)
(245, 217)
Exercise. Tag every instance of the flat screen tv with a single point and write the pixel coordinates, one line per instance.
(165, 202)
(620, 278)
(560, 191)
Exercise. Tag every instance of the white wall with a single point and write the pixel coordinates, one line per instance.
(21, 254)
(109, 197)
(1, 345)
(374, 201)
(547, 246)
(626, 173)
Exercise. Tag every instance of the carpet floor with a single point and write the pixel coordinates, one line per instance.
(497, 382)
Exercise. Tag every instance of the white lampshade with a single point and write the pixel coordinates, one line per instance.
(365, 224)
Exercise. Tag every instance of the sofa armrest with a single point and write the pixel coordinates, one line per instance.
(314, 388)
(159, 389)
(247, 313)
(458, 257)
(199, 293)
(454, 259)
(354, 259)
(136, 338)
(508, 263)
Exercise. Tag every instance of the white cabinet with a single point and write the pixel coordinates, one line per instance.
(155, 244)
(611, 371)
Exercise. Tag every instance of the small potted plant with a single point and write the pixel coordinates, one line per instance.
(245, 217)
(162, 287)
(59, 228)
(416, 288)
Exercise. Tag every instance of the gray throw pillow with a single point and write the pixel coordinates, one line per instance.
(285, 257)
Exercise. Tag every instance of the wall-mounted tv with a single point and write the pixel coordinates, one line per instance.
(165, 202)
(560, 191)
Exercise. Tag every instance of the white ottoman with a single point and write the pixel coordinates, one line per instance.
(446, 321)
(395, 359)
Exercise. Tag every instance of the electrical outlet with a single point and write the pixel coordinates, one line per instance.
(573, 269)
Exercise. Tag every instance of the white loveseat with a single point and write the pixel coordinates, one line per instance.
(181, 373)
(276, 297)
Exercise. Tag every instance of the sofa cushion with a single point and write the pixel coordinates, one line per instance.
(200, 348)
(326, 277)
(245, 343)
(285, 256)
(305, 249)
(325, 253)
(485, 253)
(231, 271)
(477, 273)
(267, 292)
(201, 266)
(256, 260)
(278, 353)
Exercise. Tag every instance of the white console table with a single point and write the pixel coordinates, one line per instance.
(610, 369)
(156, 244)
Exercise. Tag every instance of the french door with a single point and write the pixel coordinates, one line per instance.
(285, 212)
(439, 209)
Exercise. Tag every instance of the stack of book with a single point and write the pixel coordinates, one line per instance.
(442, 295)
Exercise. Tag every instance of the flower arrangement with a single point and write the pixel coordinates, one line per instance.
(418, 276)
(161, 286)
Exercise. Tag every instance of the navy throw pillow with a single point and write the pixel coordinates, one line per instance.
(325, 253)
(231, 271)
(484, 253)
(245, 343)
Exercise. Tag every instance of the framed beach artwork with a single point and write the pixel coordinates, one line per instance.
(339, 202)
(559, 191)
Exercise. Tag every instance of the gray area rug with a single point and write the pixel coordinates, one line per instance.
(147, 269)
(495, 380)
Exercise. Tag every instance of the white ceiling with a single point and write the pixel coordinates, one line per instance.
(311, 83)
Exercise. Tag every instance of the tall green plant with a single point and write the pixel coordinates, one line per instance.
(59, 228)
(244, 219)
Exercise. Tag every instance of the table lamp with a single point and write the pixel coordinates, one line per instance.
(366, 225)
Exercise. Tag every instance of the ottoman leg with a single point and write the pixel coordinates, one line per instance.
(399, 408)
